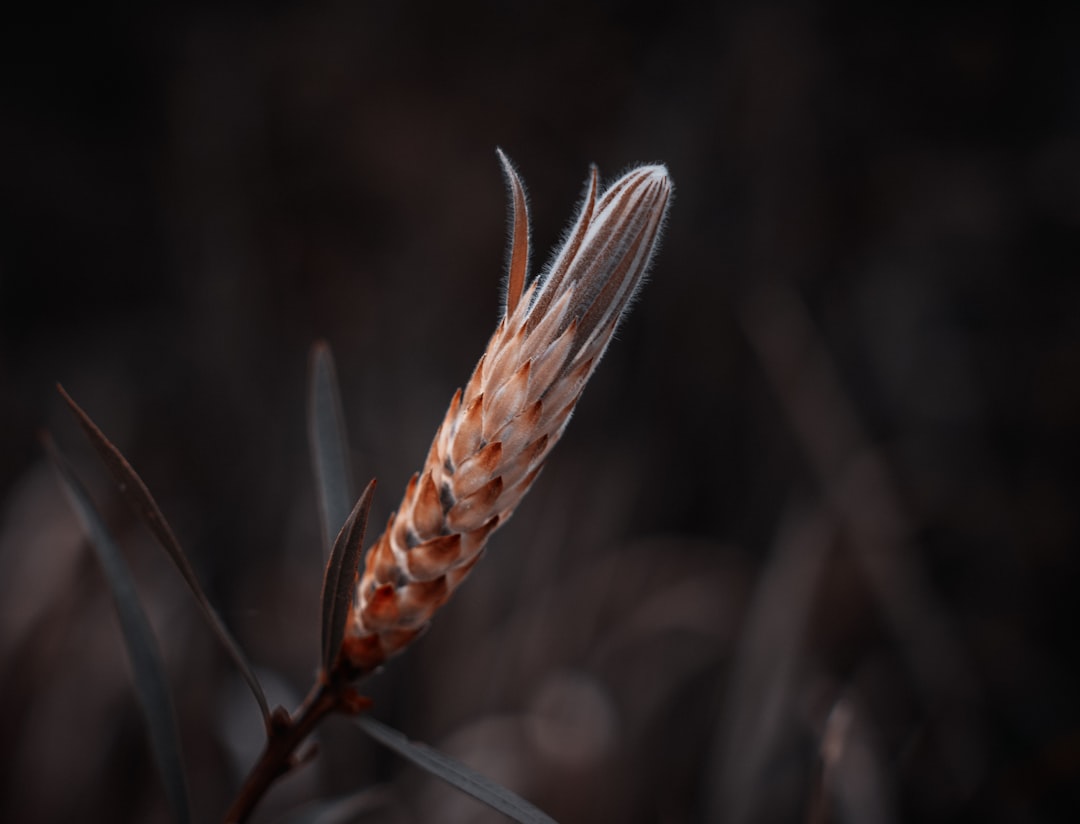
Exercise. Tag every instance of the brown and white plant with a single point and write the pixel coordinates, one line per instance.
(499, 430)
(486, 454)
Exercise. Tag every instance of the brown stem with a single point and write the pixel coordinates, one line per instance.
(284, 735)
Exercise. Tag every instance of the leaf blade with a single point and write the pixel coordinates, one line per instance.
(455, 773)
(518, 257)
(328, 440)
(339, 581)
(138, 496)
(148, 670)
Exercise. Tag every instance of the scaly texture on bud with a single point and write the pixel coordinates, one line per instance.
(499, 430)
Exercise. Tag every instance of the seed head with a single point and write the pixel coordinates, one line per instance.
(498, 431)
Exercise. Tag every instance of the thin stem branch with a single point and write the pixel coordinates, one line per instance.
(285, 733)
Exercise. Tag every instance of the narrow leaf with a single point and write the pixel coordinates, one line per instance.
(329, 443)
(517, 268)
(147, 668)
(339, 582)
(455, 773)
(139, 498)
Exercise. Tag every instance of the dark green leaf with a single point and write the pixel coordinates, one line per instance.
(454, 772)
(339, 582)
(139, 498)
(329, 443)
(146, 665)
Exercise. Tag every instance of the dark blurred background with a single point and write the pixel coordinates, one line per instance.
(808, 549)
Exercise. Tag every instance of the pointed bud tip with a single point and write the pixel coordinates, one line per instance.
(657, 174)
(657, 171)
(651, 172)
(649, 183)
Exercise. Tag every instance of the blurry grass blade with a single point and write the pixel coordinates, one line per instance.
(455, 773)
(370, 803)
(763, 680)
(855, 773)
(147, 669)
(329, 443)
(139, 498)
(339, 583)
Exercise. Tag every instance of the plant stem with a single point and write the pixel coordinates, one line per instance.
(284, 735)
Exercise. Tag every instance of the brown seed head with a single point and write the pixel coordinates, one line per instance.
(499, 430)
